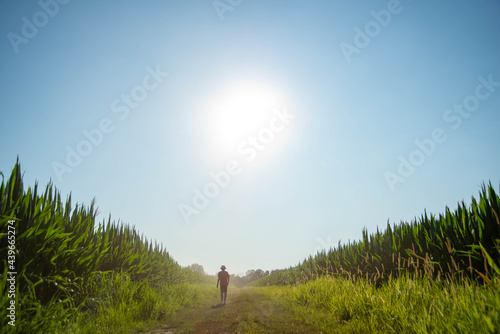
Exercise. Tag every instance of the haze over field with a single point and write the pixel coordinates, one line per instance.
(249, 133)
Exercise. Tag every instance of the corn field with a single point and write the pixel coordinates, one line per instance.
(451, 246)
(63, 256)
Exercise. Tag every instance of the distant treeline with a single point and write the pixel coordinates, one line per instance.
(60, 256)
(250, 276)
(453, 245)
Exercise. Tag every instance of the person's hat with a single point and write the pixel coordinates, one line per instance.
(223, 267)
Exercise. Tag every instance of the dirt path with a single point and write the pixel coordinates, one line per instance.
(246, 311)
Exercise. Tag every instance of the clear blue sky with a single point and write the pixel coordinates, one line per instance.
(317, 107)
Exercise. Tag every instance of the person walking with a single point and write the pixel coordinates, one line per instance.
(223, 279)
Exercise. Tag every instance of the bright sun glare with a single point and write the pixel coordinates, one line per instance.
(237, 112)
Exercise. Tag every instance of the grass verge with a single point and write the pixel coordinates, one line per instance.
(124, 306)
(404, 305)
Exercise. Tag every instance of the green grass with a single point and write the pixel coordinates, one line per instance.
(123, 306)
(404, 305)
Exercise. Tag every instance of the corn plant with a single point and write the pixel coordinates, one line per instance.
(453, 245)
(60, 249)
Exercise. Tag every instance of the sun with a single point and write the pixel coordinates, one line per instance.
(237, 111)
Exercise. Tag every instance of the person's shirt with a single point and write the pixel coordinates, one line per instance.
(223, 277)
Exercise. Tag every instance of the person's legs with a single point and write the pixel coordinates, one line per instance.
(223, 294)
